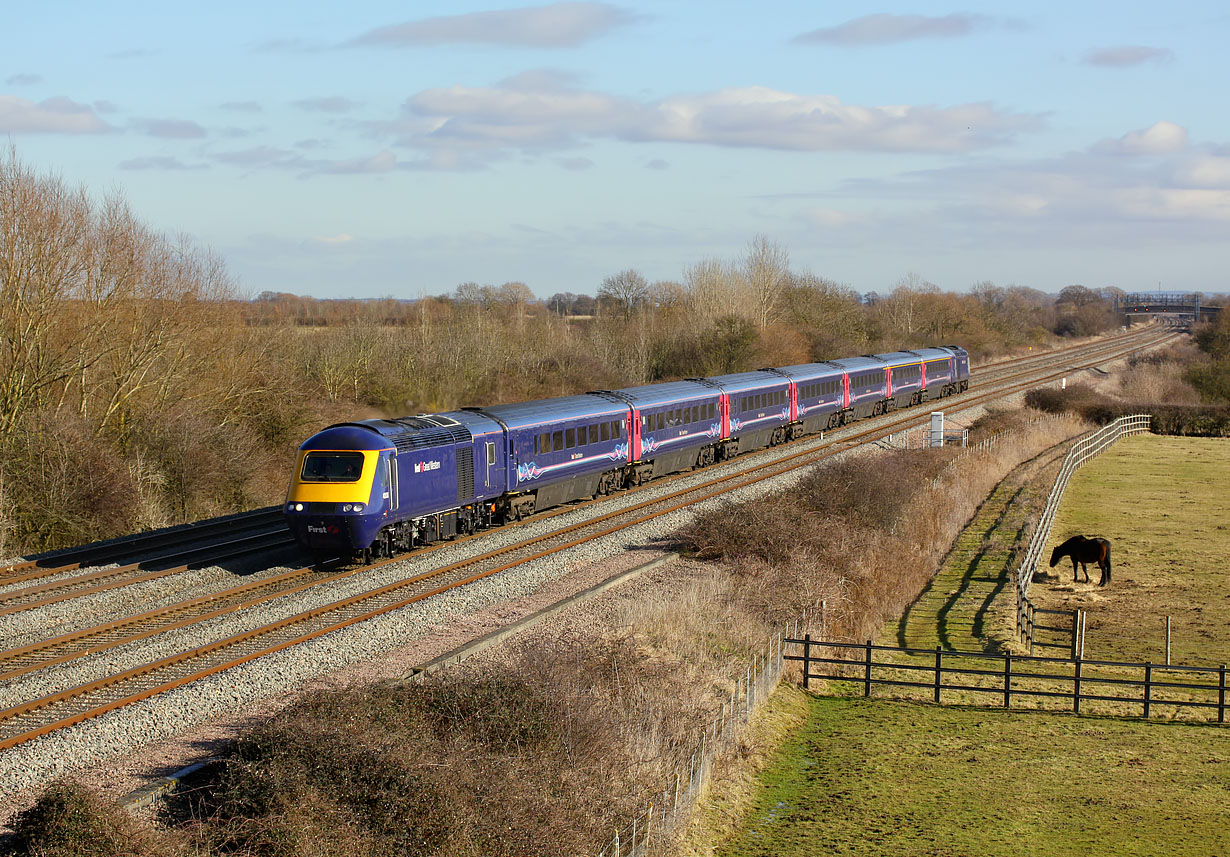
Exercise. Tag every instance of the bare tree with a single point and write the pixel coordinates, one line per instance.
(628, 291)
(766, 268)
(715, 290)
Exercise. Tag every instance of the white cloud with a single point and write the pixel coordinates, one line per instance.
(173, 129)
(23, 79)
(523, 115)
(343, 238)
(1204, 171)
(327, 104)
(884, 28)
(1128, 55)
(1158, 139)
(558, 25)
(269, 157)
(57, 115)
(381, 162)
(1087, 191)
(159, 162)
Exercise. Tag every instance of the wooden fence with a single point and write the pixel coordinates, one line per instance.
(1101, 687)
(1085, 449)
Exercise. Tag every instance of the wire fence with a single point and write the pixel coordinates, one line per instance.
(988, 443)
(660, 820)
(1085, 449)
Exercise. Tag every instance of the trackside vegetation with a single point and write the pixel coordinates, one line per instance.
(570, 732)
(141, 387)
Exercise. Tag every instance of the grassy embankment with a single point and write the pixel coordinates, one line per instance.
(1162, 502)
(885, 777)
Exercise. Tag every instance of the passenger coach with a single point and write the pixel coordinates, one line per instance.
(376, 487)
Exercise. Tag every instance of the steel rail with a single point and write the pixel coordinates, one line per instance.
(95, 553)
(93, 583)
(21, 600)
(722, 484)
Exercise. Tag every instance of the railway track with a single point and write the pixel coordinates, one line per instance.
(147, 557)
(29, 720)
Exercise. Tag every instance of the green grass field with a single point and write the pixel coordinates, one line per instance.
(879, 777)
(1164, 502)
(876, 777)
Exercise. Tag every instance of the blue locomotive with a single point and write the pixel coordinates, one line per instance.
(379, 487)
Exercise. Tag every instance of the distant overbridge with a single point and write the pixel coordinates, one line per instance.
(1173, 307)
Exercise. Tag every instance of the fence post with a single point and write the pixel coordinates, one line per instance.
(1008, 680)
(1148, 687)
(1076, 634)
(867, 678)
(806, 660)
(1167, 641)
(939, 655)
(1221, 694)
(1076, 689)
(648, 827)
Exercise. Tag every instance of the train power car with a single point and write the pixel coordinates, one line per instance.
(383, 486)
(377, 487)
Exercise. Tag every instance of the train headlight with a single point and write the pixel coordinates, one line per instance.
(298, 507)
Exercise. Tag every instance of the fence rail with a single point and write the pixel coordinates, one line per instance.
(1047, 680)
(1088, 447)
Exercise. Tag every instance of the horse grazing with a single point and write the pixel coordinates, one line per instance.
(1083, 550)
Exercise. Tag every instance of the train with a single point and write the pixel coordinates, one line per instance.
(379, 487)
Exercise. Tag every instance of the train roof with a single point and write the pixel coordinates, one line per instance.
(347, 436)
(740, 381)
(810, 371)
(854, 364)
(526, 414)
(652, 395)
(932, 353)
(898, 358)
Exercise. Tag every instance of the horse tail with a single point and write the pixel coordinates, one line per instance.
(1108, 562)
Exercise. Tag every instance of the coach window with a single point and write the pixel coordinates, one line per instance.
(593, 433)
(604, 431)
(570, 438)
(660, 420)
(557, 440)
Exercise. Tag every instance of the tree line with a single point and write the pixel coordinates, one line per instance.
(139, 388)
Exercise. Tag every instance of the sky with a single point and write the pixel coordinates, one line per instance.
(375, 149)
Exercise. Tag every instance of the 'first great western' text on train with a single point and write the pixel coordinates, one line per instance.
(377, 487)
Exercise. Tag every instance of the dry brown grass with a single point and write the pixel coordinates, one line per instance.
(571, 733)
(71, 821)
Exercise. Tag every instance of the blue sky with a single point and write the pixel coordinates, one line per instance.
(384, 148)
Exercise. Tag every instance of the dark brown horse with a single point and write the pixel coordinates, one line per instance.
(1083, 550)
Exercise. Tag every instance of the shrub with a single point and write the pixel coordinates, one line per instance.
(68, 820)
